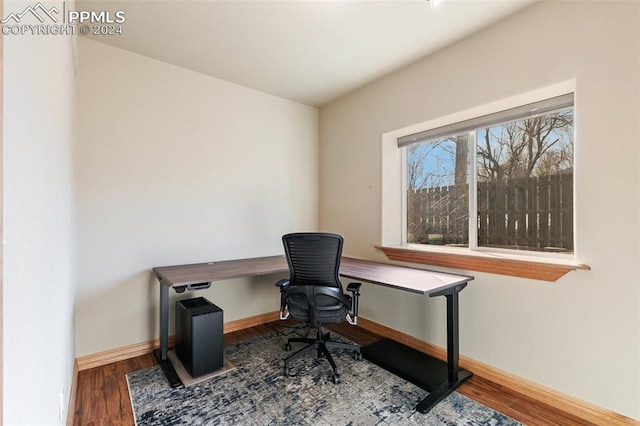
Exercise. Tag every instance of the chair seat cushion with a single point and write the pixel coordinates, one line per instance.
(327, 308)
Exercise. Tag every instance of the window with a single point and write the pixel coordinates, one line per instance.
(513, 169)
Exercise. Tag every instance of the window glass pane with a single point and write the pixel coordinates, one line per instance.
(525, 184)
(438, 191)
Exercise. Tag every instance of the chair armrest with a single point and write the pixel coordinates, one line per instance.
(283, 284)
(354, 288)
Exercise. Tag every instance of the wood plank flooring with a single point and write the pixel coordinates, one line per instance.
(103, 397)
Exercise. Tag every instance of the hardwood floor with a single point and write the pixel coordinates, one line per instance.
(103, 397)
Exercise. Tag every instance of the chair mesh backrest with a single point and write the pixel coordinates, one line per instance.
(314, 258)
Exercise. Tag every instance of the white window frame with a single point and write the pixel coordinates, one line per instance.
(394, 214)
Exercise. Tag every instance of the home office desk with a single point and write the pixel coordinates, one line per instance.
(437, 377)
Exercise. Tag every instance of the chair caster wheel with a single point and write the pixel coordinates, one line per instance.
(285, 371)
(336, 378)
(287, 347)
(357, 356)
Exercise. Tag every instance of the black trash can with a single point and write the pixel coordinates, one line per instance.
(199, 344)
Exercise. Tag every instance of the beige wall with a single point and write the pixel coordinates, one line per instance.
(580, 335)
(177, 167)
(38, 226)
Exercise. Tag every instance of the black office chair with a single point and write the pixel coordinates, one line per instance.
(313, 293)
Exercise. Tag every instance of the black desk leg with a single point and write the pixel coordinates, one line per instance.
(455, 376)
(453, 337)
(161, 354)
(164, 321)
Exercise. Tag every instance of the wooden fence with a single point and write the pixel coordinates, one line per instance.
(535, 213)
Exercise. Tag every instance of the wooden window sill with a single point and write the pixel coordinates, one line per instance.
(534, 269)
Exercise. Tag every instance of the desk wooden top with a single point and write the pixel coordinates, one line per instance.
(400, 277)
(217, 271)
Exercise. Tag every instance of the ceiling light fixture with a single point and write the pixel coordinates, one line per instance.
(435, 3)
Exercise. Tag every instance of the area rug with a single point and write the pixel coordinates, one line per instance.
(256, 393)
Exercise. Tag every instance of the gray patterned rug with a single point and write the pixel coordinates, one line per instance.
(256, 393)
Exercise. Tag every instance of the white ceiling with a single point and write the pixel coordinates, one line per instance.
(307, 51)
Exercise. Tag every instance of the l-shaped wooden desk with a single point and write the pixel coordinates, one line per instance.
(435, 376)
